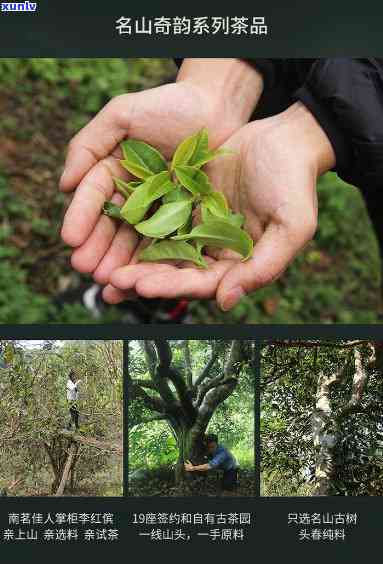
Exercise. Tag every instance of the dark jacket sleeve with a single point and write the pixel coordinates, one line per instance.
(346, 97)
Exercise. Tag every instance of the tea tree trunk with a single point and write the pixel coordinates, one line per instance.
(187, 401)
(325, 436)
(326, 419)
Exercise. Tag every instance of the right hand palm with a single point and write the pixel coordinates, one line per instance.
(162, 117)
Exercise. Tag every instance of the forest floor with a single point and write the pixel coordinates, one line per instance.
(42, 104)
(36, 481)
(161, 483)
(107, 482)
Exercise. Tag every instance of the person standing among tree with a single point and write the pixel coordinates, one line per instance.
(72, 397)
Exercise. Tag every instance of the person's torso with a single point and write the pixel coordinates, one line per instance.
(229, 461)
(71, 391)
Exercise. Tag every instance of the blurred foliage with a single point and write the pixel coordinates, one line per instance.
(43, 102)
(85, 85)
(34, 409)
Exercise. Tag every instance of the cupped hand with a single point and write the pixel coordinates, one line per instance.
(162, 117)
(271, 179)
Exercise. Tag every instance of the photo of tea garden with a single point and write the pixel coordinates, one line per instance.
(43, 103)
(191, 418)
(61, 418)
(322, 418)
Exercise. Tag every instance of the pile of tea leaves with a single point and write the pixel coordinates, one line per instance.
(164, 197)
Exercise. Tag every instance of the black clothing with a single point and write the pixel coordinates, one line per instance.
(230, 480)
(74, 417)
(346, 97)
(131, 312)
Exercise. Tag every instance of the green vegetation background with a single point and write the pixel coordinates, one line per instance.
(43, 102)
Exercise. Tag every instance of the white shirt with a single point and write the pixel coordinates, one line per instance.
(71, 390)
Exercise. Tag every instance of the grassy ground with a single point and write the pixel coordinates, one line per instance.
(42, 103)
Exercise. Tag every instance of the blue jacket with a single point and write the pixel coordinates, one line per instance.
(223, 460)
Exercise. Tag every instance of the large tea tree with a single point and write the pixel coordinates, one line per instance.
(322, 416)
(183, 383)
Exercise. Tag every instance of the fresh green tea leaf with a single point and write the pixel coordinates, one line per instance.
(184, 229)
(166, 220)
(192, 149)
(184, 151)
(111, 210)
(179, 194)
(217, 204)
(172, 250)
(236, 219)
(201, 149)
(135, 169)
(141, 159)
(222, 234)
(210, 156)
(126, 188)
(194, 180)
(206, 214)
(144, 196)
(199, 247)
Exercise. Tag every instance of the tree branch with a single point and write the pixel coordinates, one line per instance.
(188, 365)
(359, 384)
(205, 372)
(144, 384)
(150, 355)
(234, 362)
(152, 403)
(164, 352)
(207, 386)
(226, 387)
(67, 468)
(212, 400)
(114, 448)
(359, 380)
(155, 356)
(165, 370)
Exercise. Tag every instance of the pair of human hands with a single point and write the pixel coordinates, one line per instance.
(269, 176)
(189, 467)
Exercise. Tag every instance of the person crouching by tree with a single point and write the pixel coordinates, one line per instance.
(220, 458)
(72, 394)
